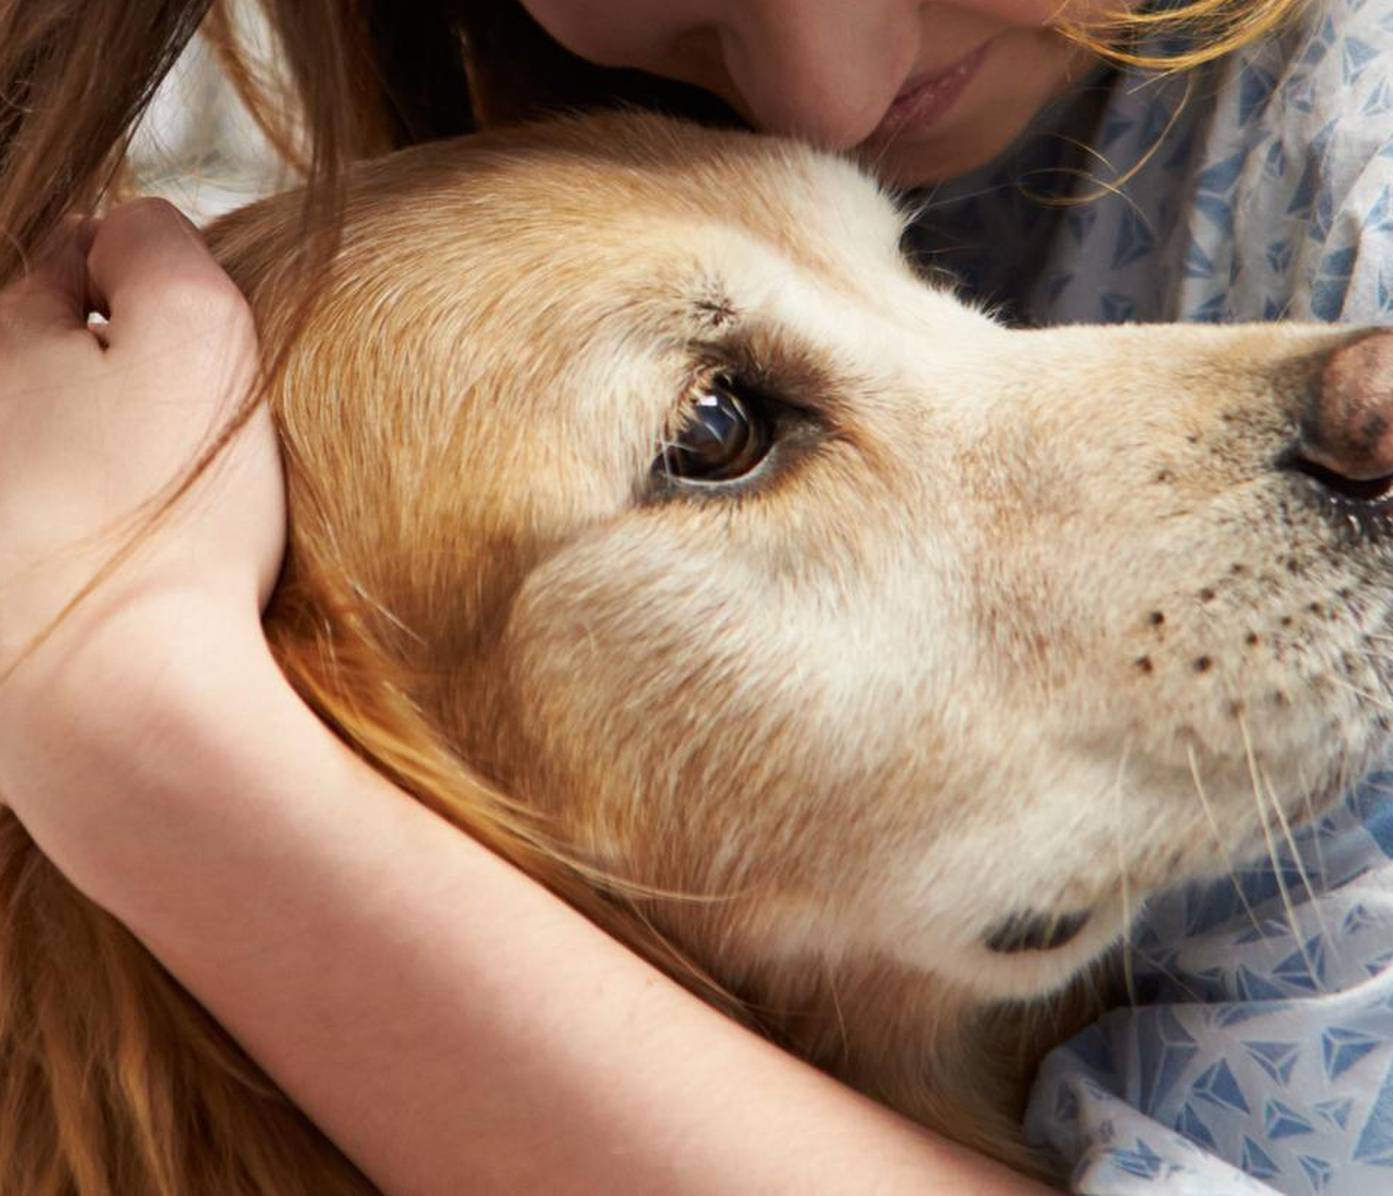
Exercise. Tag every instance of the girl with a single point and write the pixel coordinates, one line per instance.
(1230, 190)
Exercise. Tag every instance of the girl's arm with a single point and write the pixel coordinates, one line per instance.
(448, 1022)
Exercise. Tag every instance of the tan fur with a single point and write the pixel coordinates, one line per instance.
(951, 656)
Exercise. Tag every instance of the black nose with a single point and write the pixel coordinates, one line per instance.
(1346, 434)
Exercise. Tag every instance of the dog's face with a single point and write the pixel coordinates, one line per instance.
(776, 576)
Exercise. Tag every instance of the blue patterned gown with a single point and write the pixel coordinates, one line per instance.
(1260, 1055)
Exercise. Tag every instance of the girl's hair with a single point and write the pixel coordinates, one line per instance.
(366, 76)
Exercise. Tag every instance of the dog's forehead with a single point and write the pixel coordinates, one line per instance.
(605, 189)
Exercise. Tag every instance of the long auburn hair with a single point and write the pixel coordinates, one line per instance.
(120, 1083)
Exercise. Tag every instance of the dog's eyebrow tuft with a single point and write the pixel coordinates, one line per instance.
(715, 311)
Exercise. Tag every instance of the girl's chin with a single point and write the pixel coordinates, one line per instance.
(907, 162)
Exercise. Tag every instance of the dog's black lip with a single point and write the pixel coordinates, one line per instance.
(1363, 503)
(1031, 930)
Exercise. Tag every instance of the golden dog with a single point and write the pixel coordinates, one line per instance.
(835, 646)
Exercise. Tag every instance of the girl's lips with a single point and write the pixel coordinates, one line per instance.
(924, 101)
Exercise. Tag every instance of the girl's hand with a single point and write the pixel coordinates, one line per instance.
(96, 426)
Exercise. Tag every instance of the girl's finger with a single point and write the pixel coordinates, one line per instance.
(152, 276)
(52, 296)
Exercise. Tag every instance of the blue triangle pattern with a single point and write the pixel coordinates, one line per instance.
(1369, 802)
(1315, 51)
(1252, 987)
(1268, 928)
(1305, 968)
(1256, 1161)
(1155, 121)
(1379, 963)
(1299, 93)
(1182, 149)
(1080, 220)
(1304, 197)
(1255, 87)
(1282, 1121)
(1221, 178)
(1164, 1051)
(1379, 218)
(1275, 1058)
(1206, 909)
(1218, 1085)
(1219, 211)
(1192, 1125)
(1357, 918)
(1197, 263)
(1056, 284)
(1324, 215)
(1379, 101)
(1279, 256)
(1318, 1171)
(1327, 302)
(1274, 162)
(1355, 55)
(1135, 239)
(1342, 1048)
(1142, 1162)
(1339, 262)
(1212, 310)
(1118, 308)
(1235, 1013)
(1375, 1143)
(1336, 1111)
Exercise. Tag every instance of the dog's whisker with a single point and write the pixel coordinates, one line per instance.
(1124, 880)
(1220, 841)
(1308, 805)
(1372, 699)
(1273, 856)
(1300, 864)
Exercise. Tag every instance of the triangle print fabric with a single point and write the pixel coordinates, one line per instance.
(1259, 1057)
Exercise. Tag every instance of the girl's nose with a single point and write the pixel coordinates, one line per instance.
(822, 70)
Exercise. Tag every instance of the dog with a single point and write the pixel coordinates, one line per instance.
(831, 644)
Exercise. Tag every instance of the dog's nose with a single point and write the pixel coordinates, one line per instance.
(1347, 423)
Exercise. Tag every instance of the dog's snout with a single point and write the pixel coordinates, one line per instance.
(1346, 430)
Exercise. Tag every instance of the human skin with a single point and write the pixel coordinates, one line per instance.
(829, 71)
(261, 861)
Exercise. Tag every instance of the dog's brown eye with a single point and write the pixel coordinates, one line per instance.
(724, 438)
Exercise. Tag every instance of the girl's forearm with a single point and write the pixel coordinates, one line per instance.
(452, 1025)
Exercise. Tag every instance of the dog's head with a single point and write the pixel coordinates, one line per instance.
(768, 574)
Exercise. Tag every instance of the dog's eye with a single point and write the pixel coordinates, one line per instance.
(724, 438)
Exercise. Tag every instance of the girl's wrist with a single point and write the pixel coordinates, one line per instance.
(123, 706)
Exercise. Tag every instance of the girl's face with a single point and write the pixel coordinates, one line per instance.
(928, 90)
